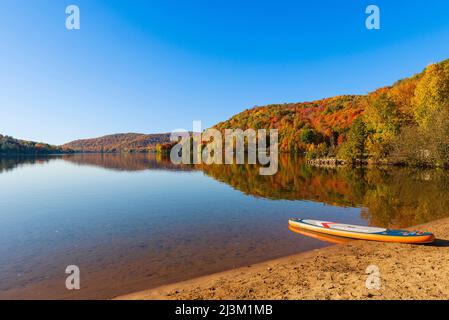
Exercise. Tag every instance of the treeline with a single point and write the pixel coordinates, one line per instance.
(303, 127)
(122, 143)
(406, 123)
(11, 146)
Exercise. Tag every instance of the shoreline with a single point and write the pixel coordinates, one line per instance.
(337, 272)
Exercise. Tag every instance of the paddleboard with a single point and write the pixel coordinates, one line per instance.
(362, 232)
(319, 236)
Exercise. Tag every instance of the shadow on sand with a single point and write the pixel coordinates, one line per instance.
(439, 243)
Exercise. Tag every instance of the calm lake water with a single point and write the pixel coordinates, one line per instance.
(132, 222)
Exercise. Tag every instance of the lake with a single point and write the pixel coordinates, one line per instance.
(132, 222)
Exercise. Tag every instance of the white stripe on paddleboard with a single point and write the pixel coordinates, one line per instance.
(345, 227)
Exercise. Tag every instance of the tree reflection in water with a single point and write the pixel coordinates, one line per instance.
(388, 196)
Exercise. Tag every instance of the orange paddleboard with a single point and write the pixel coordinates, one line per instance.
(362, 232)
(319, 236)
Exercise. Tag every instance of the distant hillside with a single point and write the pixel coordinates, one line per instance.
(406, 123)
(122, 142)
(12, 146)
(301, 124)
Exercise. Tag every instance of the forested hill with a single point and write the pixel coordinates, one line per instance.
(121, 142)
(303, 124)
(11, 146)
(407, 122)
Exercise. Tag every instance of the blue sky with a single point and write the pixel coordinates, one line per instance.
(155, 66)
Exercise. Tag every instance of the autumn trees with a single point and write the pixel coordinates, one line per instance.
(431, 94)
(10, 146)
(303, 127)
(407, 122)
(425, 141)
(355, 146)
(121, 143)
(424, 145)
(162, 148)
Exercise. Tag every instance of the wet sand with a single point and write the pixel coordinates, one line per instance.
(337, 272)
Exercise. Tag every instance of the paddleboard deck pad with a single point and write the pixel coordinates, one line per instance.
(362, 232)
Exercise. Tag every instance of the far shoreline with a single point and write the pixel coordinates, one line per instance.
(317, 162)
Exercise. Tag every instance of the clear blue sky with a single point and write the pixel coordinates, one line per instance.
(155, 66)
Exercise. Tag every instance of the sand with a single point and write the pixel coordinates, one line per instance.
(337, 272)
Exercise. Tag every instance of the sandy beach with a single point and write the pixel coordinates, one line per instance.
(336, 272)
